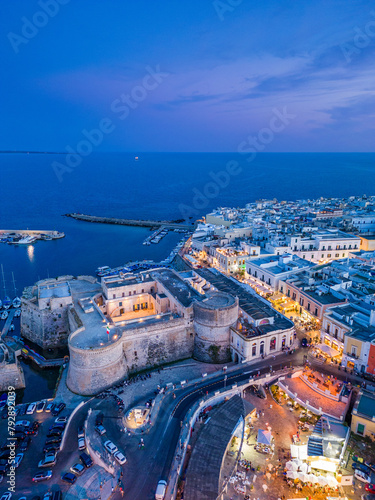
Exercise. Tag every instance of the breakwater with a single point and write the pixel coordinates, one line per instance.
(131, 222)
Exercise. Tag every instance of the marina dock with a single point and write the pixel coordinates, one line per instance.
(28, 236)
(130, 222)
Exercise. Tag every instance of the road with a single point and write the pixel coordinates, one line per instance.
(144, 467)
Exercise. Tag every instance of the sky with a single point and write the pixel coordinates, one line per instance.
(172, 76)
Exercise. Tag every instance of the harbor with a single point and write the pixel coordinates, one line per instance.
(131, 222)
(28, 236)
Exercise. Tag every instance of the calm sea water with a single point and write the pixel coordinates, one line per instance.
(158, 186)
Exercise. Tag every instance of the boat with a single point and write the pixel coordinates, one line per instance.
(16, 302)
(102, 271)
(136, 157)
(17, 313)
(4, 315)
(11, 328)
(7, 302)
(27, 240)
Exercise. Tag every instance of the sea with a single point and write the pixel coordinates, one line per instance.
(37, 190)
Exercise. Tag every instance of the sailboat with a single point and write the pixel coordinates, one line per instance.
(6, 302)
(16, 302)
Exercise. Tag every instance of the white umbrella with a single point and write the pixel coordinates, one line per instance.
(332, 481)
(303, 468)
(291, 466)
(312, 478)
(292, 475)
(297, 461)
(322, 481)
(303, 477)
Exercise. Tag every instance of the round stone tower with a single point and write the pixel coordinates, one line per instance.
(213, 318)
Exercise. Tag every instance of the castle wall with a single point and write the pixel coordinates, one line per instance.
(44, 327)
(11, 375)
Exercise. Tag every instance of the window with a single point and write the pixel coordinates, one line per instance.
(304, 256)
(312, 256)
(329, 255)
(343, 255)
(261, 349)
(130, 293)
(322, 255)
(254, 350)
(143, 290)
(337, 255)
(120, 304)
(316, 311)
(123, 294)
(273, 344)
(283, 342)
(288, 292)
(354, 350)
(360, 429)
(114, 296)
(328, 327)
(294, 296)
(308, 306)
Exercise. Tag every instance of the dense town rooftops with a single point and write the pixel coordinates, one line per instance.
(250, 303)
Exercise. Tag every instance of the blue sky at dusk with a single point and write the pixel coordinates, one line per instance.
(224, 71)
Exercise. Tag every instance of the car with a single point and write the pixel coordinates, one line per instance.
(51, 448)
(49, 407)
(57, 495)
(59, 425)
(61, 420)
(23, 423)
(86, 460)
(42, 476)
(58, 409)
(110, 447)
(34, 428)
(81, 443)
(304, 342)
(53, 440)
(55, 433)
(18, 459)
(160, 490)
(362, 476)
(361, 467)
(24, 444)
(48, 461)
(40, 407)
(30, 409)
(77, 469)
(120, 458)
(19, 435)
(370, 487)
(6, 496)
(81, 432)
(23, 409)
(68, 477)
(100, 429)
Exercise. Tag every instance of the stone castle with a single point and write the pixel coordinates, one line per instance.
(132, 322)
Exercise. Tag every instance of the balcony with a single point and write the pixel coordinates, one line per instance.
(354, 356)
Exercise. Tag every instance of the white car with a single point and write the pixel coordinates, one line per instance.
(110, 447)
(77, 469)
(100, 429)
(362, 476)
(81, 443)
(48, 460)
(31, 408)
(61, 420)
(121, 459)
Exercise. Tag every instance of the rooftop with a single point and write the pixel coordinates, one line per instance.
(177, 287)
(366, 404)
(59, 289)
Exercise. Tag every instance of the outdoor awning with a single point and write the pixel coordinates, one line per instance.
(264, 437)
(330, 351)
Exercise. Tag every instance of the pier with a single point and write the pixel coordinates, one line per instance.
(131, 222)
(28, 236)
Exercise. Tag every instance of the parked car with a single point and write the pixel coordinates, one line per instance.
(110, 447)
(6, 496)
(23, 423)
(86, 460)
(58, 409)
(100, 429)
(61, 420)
(51, 448)
(361, 467)
(81, 443)
(49, 407)
(160, 490)
(81, 432)
(18, 459)
(55, 433)
(48, 461)
(77, 469)
(30, 409)
(362, 476)
(60, 425)
(370, 487)
(121, 459)
(24, 444)
(304, 342)
(34, 428)
(42, 476)
(53, 440)
(68, 477)
(40, 407)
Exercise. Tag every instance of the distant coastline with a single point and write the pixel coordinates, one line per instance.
(35, 152)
